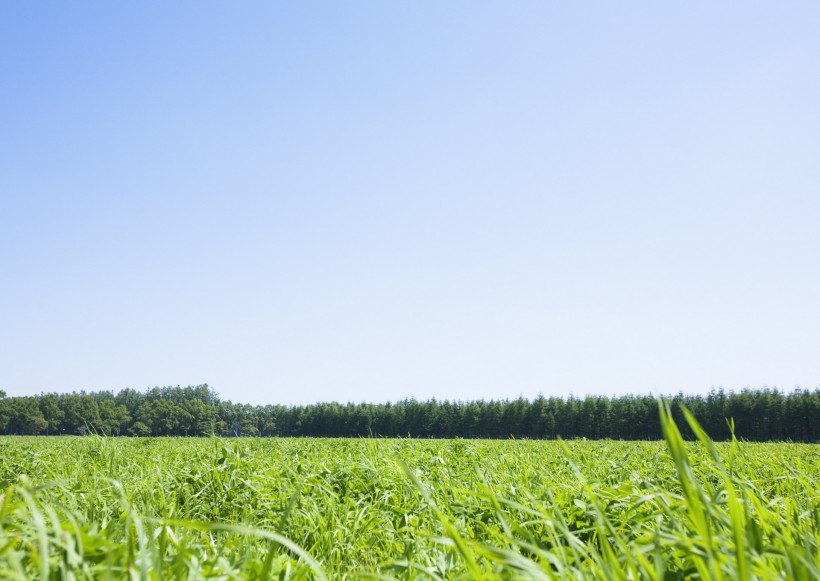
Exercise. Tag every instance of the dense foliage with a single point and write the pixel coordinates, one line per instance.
(148, 508)
(759, 415)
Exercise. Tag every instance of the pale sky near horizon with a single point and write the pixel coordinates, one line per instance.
(368, 201)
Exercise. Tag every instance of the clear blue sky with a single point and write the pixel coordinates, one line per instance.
(299, 202)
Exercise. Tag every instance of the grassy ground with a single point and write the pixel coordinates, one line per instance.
(96, 507)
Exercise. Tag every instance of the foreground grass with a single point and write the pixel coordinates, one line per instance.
(76, 508)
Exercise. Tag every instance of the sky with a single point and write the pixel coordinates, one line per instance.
(298, 202)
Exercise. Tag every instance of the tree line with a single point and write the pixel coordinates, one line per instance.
(758, 415)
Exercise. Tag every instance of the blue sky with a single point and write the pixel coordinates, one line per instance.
(367, 201)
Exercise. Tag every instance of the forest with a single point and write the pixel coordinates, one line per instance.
(755, 415)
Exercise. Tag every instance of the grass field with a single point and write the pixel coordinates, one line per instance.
(94, 507)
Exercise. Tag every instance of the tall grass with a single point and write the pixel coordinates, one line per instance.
(100, 508)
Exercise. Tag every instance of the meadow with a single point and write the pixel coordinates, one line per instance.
(310, 508)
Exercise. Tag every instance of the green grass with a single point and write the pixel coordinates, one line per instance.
(94, 507)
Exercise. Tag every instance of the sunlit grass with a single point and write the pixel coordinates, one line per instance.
(96, 507)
